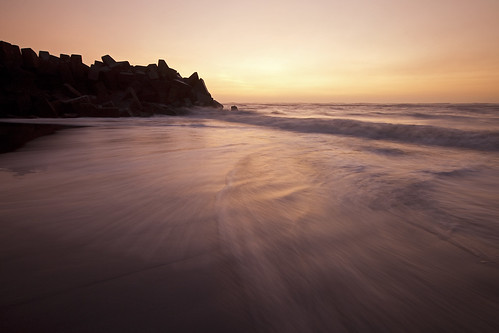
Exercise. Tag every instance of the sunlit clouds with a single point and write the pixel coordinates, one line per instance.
(317, 50)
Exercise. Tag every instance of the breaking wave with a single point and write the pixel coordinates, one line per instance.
(415, 134)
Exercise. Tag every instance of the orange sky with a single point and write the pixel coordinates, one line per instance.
(284, 50)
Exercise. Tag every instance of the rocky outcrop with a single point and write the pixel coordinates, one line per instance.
(44, 85)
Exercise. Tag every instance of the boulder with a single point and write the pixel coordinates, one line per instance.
(109, 111)
(10, 55)
(76, 59)
(139, 68)
(78, 69)
(167, 72)
(125, 79)
(73, 106)
(163, 68)
(152, 72)
(201, 94)
(94, 71)
(120, 66)
(136, 103)
(92, 110)
(107, 76)
(234, 108)
(108, 60)
(216, 105)
(71, 91)
(101, 92)
(39, 84)
(65, 58)
(178, 91)
(162, 88)
(44, 67)
(65, 72)
(44, 108)
(193, 79)
(30, 59)
(52, 67)
(44, 56)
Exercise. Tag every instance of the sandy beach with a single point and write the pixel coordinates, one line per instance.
(194, 227)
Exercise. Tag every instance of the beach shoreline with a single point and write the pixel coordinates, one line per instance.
(199, 223)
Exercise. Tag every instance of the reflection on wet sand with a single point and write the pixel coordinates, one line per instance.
(235, 228)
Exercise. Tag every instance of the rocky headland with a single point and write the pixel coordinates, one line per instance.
(44, 85)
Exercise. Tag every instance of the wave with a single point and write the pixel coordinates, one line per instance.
(416, 134)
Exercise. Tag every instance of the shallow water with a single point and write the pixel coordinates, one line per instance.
(304, 218)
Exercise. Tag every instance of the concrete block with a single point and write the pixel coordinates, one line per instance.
(10, 55)
(108, 60)
(152, 72)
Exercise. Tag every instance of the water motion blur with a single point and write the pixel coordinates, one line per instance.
(274, 218)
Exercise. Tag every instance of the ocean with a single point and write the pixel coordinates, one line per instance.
(273, 218)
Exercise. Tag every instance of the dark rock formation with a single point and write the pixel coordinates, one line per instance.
(45, 85)
(234, 108)
(13, 136)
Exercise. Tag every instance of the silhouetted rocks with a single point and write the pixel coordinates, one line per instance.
(45, 85)
(13, 136)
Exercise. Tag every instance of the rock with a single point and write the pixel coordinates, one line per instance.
(178, 91)
(65, 58)
(65, 72)
(78, 100)
(44, 108)
(167, 72)
(108, 60)
(30, 59)
(234, 108)
(120, 66)
(76, 59)
(163, 68)
(139, 69)
(217, 105)
(157, 108)
(71, 106)
(136, 105)
(109, 111)
(94, 71)
(52, 67)
(92, 110)
(107, 76)
(77, 68)
(39, 85)
(125, 79)
(10, 55)
(45, 67)
(162, 89)
(71, 91)
(193, 79)
(152, 72)
(201, 94)
(101, 92)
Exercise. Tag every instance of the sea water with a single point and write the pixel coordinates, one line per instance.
(334, 217)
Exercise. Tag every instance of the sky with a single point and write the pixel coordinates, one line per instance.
(283, 50)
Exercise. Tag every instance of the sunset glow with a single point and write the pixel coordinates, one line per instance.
(284, 51)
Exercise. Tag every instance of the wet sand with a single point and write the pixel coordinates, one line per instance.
(190, 237)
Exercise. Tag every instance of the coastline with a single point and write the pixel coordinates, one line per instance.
(188, 224)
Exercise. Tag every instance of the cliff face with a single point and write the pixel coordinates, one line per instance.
(44, 85)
